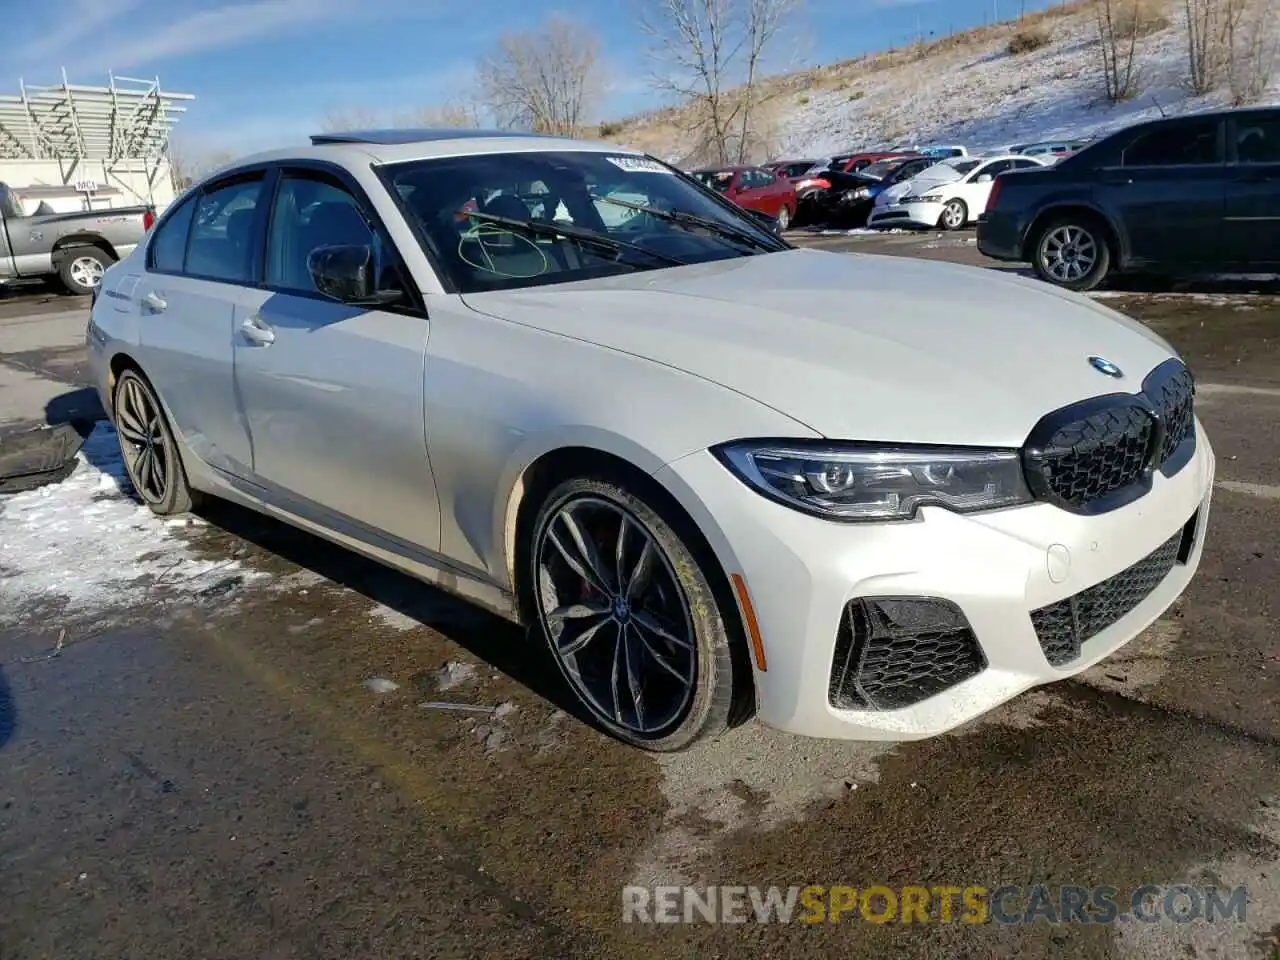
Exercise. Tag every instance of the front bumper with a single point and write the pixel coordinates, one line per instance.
(996, 568)
(906, 214)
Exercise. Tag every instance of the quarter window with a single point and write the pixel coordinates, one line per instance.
(169, 245)
(1258, 141)
(222, 232)
(1183, 144)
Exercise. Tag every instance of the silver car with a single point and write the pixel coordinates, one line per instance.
(860, 497)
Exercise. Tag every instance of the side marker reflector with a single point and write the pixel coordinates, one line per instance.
(749, 618)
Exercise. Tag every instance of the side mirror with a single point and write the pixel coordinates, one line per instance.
(347, 274)
(983, 178)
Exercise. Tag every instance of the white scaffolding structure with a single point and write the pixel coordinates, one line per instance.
(129, 119)
(92, 142)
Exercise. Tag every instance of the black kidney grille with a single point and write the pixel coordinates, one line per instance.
(1174, 398)
(1099, 454)
(893, 652)
(1087, 459)
(1063, 627)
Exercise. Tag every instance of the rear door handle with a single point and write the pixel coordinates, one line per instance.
(257, 332)
(155, 302)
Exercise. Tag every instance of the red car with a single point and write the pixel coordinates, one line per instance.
(754, 188)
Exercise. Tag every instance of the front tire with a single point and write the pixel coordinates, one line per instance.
(150, 454)
(955, 214)
(629, 616)
(82, 268)
(784, 219)
(1072, 253)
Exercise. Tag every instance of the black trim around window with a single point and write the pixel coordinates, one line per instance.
(340, 177)
(270, 173)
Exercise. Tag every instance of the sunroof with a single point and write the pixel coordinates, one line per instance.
(419, 135)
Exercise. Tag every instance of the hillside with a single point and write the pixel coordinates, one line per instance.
(967, 89)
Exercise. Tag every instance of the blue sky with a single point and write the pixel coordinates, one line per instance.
(265, 71)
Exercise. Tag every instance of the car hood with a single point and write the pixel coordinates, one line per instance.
(855, 346)
(929, 177)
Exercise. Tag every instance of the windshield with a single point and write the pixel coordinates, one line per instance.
(593, 192)
(881, 168)
(952, 169)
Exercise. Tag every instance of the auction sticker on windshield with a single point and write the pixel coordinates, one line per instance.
(638, 165)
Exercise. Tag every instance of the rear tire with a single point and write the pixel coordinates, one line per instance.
(635, 631)
(81, 269)
(1072, 252)
(147, 447)
(784, 219)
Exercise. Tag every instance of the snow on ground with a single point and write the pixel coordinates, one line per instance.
(88, 546)
(979, 95)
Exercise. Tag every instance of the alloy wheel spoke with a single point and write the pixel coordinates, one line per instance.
(577, 611)
(660, 659)
(583, 558)
(634, 669)
(641, 573)
(646, 621)
(158, 468)
(579, 643)
(128, 430)
(142, 469)
(615, 676)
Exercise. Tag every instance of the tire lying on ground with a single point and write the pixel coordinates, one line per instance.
(37, 457)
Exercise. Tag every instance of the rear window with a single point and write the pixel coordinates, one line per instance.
(1175, 145)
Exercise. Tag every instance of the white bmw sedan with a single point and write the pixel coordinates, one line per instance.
(717, 476)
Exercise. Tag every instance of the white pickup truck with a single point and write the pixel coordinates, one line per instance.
(75, 247)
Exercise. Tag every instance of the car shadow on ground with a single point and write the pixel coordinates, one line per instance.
(8, 714)
(1229, 285)
(503, 645)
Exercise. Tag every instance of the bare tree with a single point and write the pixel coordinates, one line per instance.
(711, 52)
(458, 114)
(350, 118)
(547, 80)
(1207, 32)
(1252, 48)
(1118, 24)
(186, 165)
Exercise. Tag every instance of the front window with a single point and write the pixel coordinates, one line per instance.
(596, 196)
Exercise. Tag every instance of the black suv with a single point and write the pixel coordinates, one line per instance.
(1182, 195)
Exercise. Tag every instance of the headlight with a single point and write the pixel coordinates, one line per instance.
(861, 193)
(857, 482)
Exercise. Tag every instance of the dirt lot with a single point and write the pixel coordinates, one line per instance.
(238, 749)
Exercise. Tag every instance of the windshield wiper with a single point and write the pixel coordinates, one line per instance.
(584, 236)
(685, 218)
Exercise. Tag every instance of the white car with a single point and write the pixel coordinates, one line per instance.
(716, 476)
(949, 194)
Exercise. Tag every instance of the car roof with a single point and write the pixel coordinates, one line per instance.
(398, 145)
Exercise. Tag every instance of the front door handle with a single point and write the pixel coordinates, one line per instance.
(155, 302)
(257, 332)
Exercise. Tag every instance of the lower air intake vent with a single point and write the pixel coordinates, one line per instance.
(893, 652)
